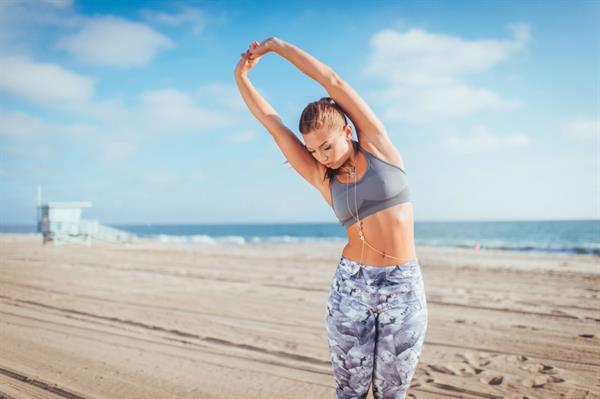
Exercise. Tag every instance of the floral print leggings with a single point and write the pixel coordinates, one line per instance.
(376, 322)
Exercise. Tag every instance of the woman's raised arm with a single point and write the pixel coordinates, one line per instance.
(368, 126)
(291, 147)
(305, 62)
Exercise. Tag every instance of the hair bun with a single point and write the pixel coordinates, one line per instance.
(328, 100)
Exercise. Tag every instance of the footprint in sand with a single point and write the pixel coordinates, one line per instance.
(440, 368)
(492, 379)
(539, 368)
(460, 369)
(542, 373)
(475, 360)
(539, 381)
(516, 358)
(535, 374)
(519, 326)
(420, 380)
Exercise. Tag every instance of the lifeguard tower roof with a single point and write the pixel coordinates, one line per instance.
(70, 204)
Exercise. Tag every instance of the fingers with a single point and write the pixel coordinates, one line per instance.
(248, 54)
(252, 46)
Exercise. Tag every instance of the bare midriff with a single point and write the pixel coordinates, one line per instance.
(390, 231)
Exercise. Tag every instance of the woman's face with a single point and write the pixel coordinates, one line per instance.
(329, 147)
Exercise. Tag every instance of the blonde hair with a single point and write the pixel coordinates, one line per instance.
(324, 112)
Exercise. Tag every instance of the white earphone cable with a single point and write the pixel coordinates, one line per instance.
(361, 233)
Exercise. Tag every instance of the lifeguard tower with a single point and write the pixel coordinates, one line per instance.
(60, 222)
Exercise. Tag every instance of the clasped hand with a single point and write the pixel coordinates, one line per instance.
(251, 56)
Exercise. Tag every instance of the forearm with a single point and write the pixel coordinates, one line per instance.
(259, 107)
(308, 64)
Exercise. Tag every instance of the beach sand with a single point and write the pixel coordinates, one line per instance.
(152, 320)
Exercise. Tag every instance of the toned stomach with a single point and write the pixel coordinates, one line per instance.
(390, 231)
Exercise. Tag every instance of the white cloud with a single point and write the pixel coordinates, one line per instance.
(263, 162)
(31, 136)
(172, 111)
(481, 140)
(157, 112)
(164, 177)
(517, 140)
(58, 3)
(419, 104)
(17, 125)
(114, 129)
(20, 127)
(185, 15)
(116, 42)
(227, 95)
(108, 109)
(583, 129)
(28, 152)
(242, 137)
(424, 72)
(28, 26)
(42, 82)
(154, 112)
(118, 150)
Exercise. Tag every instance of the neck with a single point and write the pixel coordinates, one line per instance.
(350, 164)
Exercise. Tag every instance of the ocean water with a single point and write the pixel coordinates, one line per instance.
(577, 236)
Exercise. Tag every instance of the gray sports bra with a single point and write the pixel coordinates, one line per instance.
(381, 186)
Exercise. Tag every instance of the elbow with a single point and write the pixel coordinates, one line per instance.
(332, 79)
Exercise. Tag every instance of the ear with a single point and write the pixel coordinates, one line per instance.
(348, 131)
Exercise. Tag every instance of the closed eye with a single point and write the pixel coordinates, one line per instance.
(325, 148)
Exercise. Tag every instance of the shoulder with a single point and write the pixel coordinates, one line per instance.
(383, 148)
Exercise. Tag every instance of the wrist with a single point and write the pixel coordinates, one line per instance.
(276, 45)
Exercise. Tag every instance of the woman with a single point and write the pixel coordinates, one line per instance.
(376, 315)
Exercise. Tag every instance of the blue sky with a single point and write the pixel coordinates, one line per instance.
(494, 106)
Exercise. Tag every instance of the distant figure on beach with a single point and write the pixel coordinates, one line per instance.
(376, 314)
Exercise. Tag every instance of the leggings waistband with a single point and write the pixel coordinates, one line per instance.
(411, 263)
(369, 274)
